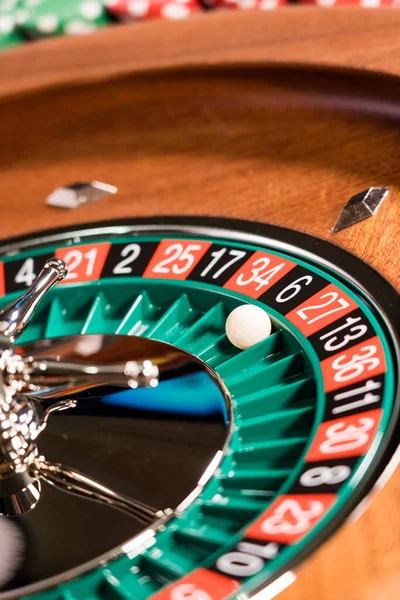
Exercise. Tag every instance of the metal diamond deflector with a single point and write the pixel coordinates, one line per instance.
(79, 193)
(361, 206)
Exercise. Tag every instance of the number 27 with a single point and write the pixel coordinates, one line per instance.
(333, 296)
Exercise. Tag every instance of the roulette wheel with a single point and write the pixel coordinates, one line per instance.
(158, 441)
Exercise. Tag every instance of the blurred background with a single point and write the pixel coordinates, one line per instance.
(23, 21)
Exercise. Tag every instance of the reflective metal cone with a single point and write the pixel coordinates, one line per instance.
(21, 501)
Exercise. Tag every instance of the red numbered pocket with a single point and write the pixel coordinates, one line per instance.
(175, 259)
(360, 362)
(321, 310)
(199, 585)
(349, 436)
(290, 517)
(85, 262)
(258, 274)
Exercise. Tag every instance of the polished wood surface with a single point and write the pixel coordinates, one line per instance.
(275, 117)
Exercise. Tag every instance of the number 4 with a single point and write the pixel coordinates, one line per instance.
(26, 275)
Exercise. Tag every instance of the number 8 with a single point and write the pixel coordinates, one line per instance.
(325, 475)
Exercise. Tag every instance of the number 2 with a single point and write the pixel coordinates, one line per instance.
(130, 252)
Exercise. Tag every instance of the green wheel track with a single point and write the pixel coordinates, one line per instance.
(274, 402)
